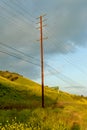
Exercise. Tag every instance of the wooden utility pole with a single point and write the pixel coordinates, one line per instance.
(42, 62)
(42, 56)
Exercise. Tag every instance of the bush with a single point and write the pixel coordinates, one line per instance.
(75, 126)
(14, 78)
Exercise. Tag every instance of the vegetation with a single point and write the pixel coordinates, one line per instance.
(20, 106)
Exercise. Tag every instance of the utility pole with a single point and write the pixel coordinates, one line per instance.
(42, 56)
(42, 62)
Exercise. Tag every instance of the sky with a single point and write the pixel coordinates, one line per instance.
(65, 50)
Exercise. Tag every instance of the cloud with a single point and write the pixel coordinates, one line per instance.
(66, 28)
(66, 22)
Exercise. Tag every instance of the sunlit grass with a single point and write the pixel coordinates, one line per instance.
(20, 107)
(42, 119)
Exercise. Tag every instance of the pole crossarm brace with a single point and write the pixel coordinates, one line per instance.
(44, 38)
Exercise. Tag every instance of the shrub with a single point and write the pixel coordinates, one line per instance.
(14, 78)
(75, 126)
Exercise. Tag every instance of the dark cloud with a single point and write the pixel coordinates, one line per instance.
(67, 29)
(66, 23)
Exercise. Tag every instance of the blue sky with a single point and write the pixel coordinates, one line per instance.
(65, 50)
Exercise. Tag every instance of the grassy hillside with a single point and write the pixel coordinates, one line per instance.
(20, 106)
(19, 92)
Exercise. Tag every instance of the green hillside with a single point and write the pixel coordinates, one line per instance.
(20, 106)
(19, 92)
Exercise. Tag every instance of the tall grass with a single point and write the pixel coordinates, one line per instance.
(38, 119)
(42, 119)
(20, 106)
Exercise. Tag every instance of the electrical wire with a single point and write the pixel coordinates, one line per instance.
(22, 7)
(61, 76)
(18, 50)
(5, 52)
(68, 58)
(15, 13)
(21, 52)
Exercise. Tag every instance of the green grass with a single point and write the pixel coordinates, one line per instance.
(20, 106)
(22, 93)
(42, 119)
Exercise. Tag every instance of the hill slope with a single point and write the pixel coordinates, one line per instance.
(62, 110)
(19, 92)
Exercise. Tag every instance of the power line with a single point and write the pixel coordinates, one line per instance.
(21, 52)
(13, 19)
(68, 60)
(22, 8)
(14, 12)
(5, 52)
(63, 77)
